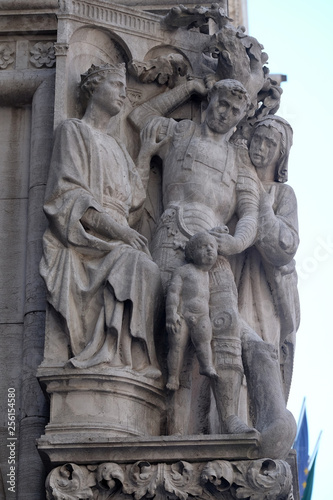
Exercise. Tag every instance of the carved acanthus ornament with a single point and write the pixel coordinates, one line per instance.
(42, 54)
(231, 53)
(249, 480)
(6, 53)
(69, 482)
(164, 69)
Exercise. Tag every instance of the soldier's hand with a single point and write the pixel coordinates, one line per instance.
(198, 86)
(150, 142)
(227, 244)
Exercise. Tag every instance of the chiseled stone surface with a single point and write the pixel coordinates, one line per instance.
(104, 287)
(147, 342)
(259, 479)
(187, 308)
(88, 446)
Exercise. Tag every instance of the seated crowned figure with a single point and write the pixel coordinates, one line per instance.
(100, 278)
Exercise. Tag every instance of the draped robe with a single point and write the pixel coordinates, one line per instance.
(88, 277)
(266, 277)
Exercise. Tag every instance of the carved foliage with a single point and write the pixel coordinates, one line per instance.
(249, 480)
(230, 53)
(164, 69)
(264, 479)
(69, 482)
(182, 480)
(42, 54)
(141, 480)
(178, 479)
(188, 17)
(6, 53)
(109, 478)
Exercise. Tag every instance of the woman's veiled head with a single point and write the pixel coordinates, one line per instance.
(276, 130)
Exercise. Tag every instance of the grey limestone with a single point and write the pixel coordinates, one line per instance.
(144, 170)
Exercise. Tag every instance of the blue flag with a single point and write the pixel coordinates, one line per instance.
(301, 445)
(309, 484)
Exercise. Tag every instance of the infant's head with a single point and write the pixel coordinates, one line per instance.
(201, 249)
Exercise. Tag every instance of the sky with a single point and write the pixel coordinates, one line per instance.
(297, 35)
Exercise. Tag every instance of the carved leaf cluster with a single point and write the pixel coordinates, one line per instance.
(181, 481)
(70, 482)
(164, 69)
(43, 54)
(6, 54)
(263, 479)
(141, 480)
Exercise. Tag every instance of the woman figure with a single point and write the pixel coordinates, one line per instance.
(266, 277)
(100, 278)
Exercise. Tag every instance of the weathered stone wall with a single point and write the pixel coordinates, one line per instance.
(26, 123)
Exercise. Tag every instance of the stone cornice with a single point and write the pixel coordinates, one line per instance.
(98, 446)
(7, 6)
(102, 12)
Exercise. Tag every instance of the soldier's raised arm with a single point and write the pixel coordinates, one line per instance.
(165, 103)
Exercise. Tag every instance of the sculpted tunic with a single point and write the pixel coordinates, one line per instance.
(204, 184)
(88, 277)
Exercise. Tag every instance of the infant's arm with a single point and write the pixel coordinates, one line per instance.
(173, 320)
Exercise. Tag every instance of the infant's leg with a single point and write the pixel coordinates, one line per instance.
(177, 346)
(201, 336)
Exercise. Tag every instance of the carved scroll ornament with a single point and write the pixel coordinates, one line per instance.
(249, 480)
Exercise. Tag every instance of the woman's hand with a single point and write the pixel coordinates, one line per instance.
(267, 197)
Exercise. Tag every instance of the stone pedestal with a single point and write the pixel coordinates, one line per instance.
(94, 403)
(98, 448)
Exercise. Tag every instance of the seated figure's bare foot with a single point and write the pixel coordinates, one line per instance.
(173, 383)
(209, 371)
(151, 372)
(234, 425)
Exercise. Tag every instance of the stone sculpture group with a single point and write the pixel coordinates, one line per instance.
(216, 281)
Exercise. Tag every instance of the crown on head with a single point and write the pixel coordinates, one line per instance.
(116, 69)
